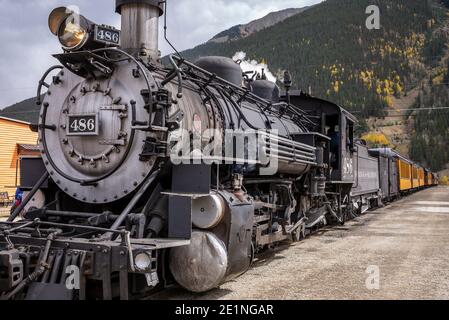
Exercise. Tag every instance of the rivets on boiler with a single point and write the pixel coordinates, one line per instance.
(95, 87)
(105, 158)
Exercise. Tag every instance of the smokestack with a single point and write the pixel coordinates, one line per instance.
(140, 26)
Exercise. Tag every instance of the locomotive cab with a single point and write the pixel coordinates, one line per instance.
(338, 125)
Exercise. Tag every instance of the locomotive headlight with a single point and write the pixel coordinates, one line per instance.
(71, 28)
(73, 34)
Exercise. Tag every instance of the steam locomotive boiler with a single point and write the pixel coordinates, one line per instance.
(152, 175)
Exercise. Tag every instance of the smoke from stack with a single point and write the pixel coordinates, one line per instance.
(252, 65)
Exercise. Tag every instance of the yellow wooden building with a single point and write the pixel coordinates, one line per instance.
(16, 139)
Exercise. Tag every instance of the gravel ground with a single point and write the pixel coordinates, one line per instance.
(408, 241)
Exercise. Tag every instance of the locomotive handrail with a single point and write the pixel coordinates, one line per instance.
(43, 83)
(292, 142)
(177, 72)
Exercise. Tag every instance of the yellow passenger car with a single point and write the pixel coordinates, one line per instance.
(421, 177)
(415, 177)
(405, 174)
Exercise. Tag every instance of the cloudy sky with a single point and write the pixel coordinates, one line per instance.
(27, 44)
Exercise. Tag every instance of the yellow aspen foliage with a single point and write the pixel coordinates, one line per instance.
(334, 71)
(389, 101)
(444, 181)
(438, 79)
(376, 139)
(378, 89)
(336, 86)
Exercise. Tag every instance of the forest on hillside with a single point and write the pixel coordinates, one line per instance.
(431, 127)
(331, 53)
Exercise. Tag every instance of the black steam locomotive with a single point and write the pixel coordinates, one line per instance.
(152, 175)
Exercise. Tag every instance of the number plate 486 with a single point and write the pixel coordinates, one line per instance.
(107, 35)
(82, 125)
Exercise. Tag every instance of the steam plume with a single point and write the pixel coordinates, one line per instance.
(253, 65)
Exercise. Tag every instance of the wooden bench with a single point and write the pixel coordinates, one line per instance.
(5, 199)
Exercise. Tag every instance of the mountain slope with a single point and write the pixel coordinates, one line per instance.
(330, 52)
(26, 110)
(245, 30)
